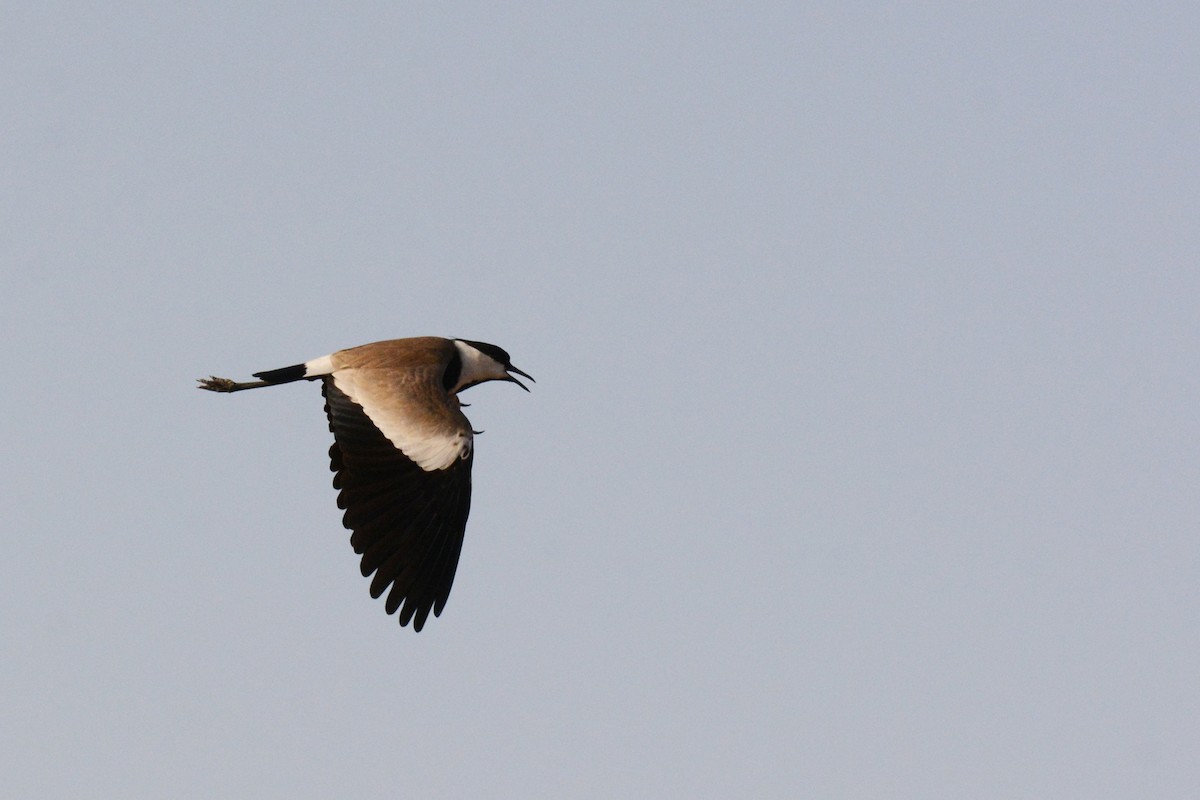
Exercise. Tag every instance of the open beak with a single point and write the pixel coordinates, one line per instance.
(511, 368)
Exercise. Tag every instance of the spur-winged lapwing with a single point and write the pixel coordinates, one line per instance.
(401, 456)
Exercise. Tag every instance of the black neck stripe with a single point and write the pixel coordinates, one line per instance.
(453, 371)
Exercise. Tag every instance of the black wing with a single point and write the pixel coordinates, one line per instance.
(406, 523)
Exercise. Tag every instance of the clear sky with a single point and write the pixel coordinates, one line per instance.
(862, 461)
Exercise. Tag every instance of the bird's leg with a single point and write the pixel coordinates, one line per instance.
(215, 384)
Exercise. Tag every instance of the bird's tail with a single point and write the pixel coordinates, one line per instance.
(296, 372)
(271, 377)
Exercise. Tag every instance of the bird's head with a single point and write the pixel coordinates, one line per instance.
(485, 362)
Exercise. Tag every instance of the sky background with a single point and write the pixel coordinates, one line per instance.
(862, 460)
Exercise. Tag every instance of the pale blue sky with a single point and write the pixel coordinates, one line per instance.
(862, 460)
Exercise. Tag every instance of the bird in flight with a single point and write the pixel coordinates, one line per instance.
(401, 455)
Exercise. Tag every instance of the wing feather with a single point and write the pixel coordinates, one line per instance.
(406, 522)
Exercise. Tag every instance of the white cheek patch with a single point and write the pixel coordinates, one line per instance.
(476, 367)
(429, 446)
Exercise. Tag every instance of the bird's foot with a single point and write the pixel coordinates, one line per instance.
(215, 384)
